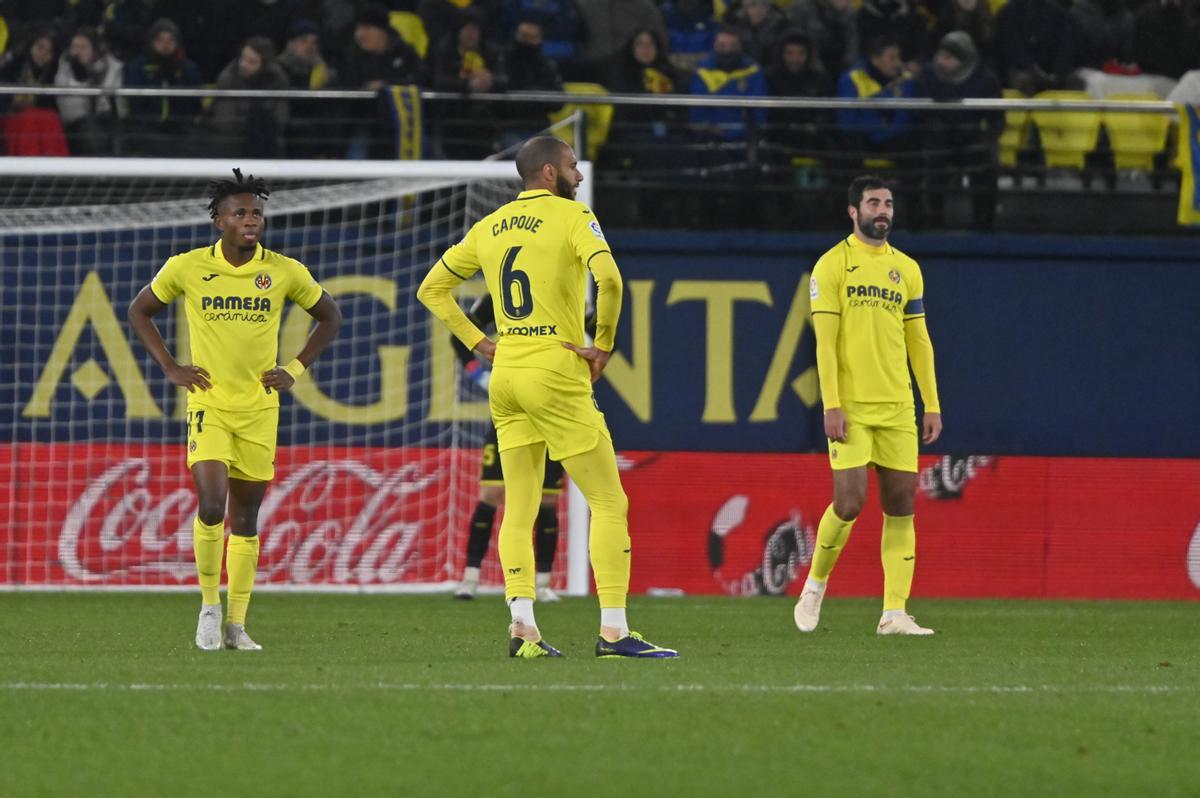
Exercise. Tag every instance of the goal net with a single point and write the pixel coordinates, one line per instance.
(378, 459)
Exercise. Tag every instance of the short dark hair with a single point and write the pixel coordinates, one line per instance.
(878, 44)
(536, 153)
(862, 184)
(220, 189)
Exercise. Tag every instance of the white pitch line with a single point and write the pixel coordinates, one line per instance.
(597, 688)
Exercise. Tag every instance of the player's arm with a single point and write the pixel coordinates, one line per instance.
(142, 310)
(435, 294)
(826, 326)
(482, 314)
(329, 318)
(609, 294)
(824, 291)
(920, 355)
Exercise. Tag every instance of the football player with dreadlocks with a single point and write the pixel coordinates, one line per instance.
(233, 292)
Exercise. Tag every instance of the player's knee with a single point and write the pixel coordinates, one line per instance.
(898, 505)
(211, 512)
(848, 508)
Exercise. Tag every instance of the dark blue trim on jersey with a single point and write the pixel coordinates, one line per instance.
(914, 307)
(588, 262)
(456, 274)
(830, 312)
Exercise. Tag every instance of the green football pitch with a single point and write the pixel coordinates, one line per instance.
(104, 694)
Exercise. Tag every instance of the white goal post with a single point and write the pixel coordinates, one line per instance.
(378, 458)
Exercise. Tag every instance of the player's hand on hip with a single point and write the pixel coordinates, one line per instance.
(597, 358)
(932, 427)
(190, 377)
(278, 379)
(835, 425)
(487, 348)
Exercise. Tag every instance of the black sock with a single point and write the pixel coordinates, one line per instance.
(481, 533)
(545, 538)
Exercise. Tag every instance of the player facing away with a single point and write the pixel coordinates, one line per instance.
(535, 253)
(491, 486)
(868, 312)
(233, 292)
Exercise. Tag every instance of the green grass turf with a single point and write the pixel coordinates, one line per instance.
(368, 695)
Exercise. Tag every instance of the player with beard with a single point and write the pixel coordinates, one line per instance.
(868, 314)
(535, 253)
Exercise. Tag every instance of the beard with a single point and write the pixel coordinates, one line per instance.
(875, 228)
(564, 187)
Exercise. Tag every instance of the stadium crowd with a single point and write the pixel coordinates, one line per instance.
(941, 49)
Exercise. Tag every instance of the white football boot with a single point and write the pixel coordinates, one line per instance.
(901, 624)
(469, 584)
(237, 639)
(208, 628)
(808, 609)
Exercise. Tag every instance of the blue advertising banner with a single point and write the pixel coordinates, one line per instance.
(1045, 346)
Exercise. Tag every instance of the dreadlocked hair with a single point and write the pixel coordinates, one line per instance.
(220, 189)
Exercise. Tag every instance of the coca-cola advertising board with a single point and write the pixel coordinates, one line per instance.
(702, 523)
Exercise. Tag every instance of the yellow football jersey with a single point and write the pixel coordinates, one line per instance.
(534, 254)
(233, 315)
(874, 290)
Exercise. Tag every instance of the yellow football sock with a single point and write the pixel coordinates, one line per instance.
(832, 534)
(241, 560)
(524, 470)
(595, 472)
(898, 550)
(208, 546)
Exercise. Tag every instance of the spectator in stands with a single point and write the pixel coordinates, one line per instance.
(644, 135)
(833, 26)
(962, 142)
(88, 121)
(311, 126)
(691, 30)
(250, 127)
(760, 23)
(973, 17)
(528, 69)
(727, 72)
(301, 59)
(162, 125)
(794, 72)
(378, 57)
(881, 75)
(901, 20)
(561, 27)
(443, 18)
(1035, 44)
(469, 62)
(32, 64)
(1105, 33)
(526, 64)
(610, 24)
(31, 125)
(1166, 37)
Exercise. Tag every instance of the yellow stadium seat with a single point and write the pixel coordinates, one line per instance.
(1136, 138)
(599, 118)
(1016, 131)
(411, 29)
(1067, 136)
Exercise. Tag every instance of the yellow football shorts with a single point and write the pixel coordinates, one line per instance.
(242, 440)
(879, 433)
(530, 405)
